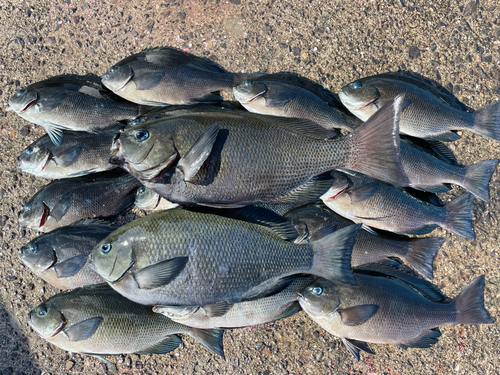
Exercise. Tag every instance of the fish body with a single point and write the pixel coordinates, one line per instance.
(71, 102)
(388, 311)
(183, 257)
(97, 320)
(65, 201)
(146, 199)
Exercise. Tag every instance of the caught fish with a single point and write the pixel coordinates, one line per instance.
(96, 320)
(388, 311)
(231, 159)
(419, 253)
(71, 102)
(382, 206)
(79, 154)
(426, 114)
(192, 258)
(165, 75)
(60, 257)
(65, 201)
(146, 199)
(240, 314)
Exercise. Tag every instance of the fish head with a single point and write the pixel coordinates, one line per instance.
(341, 183)
(146, 199)
(117, 77)
(34, 158)
(358, 96)
(46, 320)
(33, 215)
(37, 255)
(249, 92)
(320, 298)
(23, 99)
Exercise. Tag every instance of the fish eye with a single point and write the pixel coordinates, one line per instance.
(29, 151)
(142, 189)
(21, 92)
(134, 122)
(106, 248)
(317, 290)
(247, 83)
(33, 248)
(141, 135)
(113, 69)
(42, 311)
(357, 85)
(27, 207)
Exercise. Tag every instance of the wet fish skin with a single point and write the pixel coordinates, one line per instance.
(184, 257)
(146, 199)
(87, 320)
(426, 116)
(65, 201)
(60, 257)
(388, 311)
(240, 314)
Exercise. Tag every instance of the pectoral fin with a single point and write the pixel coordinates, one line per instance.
(356, 315)
(280, 99)
(71, 266)
(217, 309)
(48, 104)
(69, 156)
(160, 274)
(61, 207)
(147, 81)
(84, 329)
(363, 192)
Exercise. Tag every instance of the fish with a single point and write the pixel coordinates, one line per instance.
(388, 311)
(233, 160)
(146, 199)
(426, 114)
(278, 98)
(240, 314)
(60, 257)
(71, 102)
(165, 76)
(198, 257)
(79, 154)
(65, 201)
(419, 253)
(385, 207)
(96, 320)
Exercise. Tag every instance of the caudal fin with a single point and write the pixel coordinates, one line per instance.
(332, 254)
(469, 304)
(477, 178)
(459, 216)
(375, 145)
(211, 338)
(421, 253)
(487, 121)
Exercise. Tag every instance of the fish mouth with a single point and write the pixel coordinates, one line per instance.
(45, 215)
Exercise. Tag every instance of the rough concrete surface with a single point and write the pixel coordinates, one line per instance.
(456, 43)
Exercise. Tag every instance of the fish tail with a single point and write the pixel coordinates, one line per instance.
(477, 178)
(487, 121)
(459, 216)
(469, 304)
(332, 254)
(421, 253)
(375, 146)
(210, 338)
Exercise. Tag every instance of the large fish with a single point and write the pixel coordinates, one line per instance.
(183, 257)
(388, 311)
(240, 314)
(426, 115)
(65, 201)
(97, 320)
(60, 257)
(146, 199)
(71, 102)
(79, 154)
(165, 75)
(382, 206)
(227, 158)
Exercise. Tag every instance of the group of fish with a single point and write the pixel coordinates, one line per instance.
(294, 198)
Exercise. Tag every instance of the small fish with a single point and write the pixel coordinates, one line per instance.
(71, 102)
(388, 311)
(426, 115)
(240, 314)
(98, 321)
(79, 154)
(199, 257)
(385, 207)
(146, 199)
(60, 257)
(165, 75)
(65, 201)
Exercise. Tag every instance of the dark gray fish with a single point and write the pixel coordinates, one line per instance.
(96, 320)
(165, 75)
(146, 199)
(71, 102)
(60, 257)
(389, 311)
(191, 258)
(228, 158)
(240, 314)
(382, 206)
(427, 115)
(79, 154)
(65, 201)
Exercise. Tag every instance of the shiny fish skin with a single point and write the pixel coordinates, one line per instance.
(146, 199)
